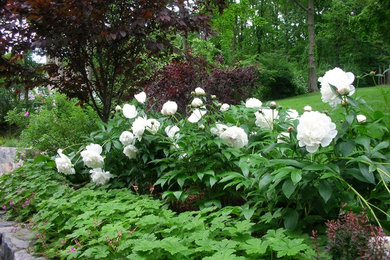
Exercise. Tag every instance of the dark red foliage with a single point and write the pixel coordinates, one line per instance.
(178, 79)
(232, 85)
(175, 82)
(352, 237)
(98, 45)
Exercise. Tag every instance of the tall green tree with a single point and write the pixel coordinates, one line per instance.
(312, 77)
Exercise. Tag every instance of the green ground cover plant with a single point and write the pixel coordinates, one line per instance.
(98, 223)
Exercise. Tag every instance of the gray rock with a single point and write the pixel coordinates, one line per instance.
(13, 242)
(7, 223)
(23, 255)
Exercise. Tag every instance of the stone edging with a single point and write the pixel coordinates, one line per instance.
(15, 241)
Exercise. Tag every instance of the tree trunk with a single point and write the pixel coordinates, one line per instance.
(312, 82)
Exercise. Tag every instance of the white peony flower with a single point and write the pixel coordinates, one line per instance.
(171, 130)
(224, 107)
(130, 151)
(129, 111)
(200, 92)
(196, 115)
(140, 97)
(138, 127)
(282, 137)
(307, 108)
(219, 129)
(253, 103)
(99, 176)
(265, 118)
(118, 108)
(63, 164)
(315, 129)
(197, 102)
(152, 125)
(202, 127)
(292, 114)
(339, 79)
(126, 138)
(235, 137)
(169, 108)
(91, 156)
(361, 118)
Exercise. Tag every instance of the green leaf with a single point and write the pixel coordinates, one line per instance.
(346, 147)
(290, 219)
(117, 144)
(108, 147)
(244, 166)
(380, 146)
(265, 180)
(325, 190)
(367, 174)
(352, 101)
(364, 141)
(229, 176)
(212, 181)
(327, 175)
(350, 118)
(314, 167)
(181, 181)
(173, 245)
(296, 176)
(177, 194)
(255, 246)
(288, 188)
(290, 162)
(290, 247)
(248, 212)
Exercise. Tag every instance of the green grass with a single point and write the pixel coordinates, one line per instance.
(377, 97)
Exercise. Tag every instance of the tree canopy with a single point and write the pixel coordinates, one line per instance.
(98, 47)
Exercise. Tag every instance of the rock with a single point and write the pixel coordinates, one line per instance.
(7, 223)
(23, 255)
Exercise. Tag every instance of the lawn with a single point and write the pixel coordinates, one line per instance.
(377, 97)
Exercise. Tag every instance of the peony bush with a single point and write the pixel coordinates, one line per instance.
(277, 165)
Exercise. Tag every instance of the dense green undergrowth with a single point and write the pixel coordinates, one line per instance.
(95, 223)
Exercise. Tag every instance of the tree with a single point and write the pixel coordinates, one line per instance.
(312, 77)
(100, 47)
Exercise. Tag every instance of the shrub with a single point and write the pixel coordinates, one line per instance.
(60, 123)
(278, 78)
(177, 79)
(174, 82)
(232, 85)
(14, 106)
(352, 237)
